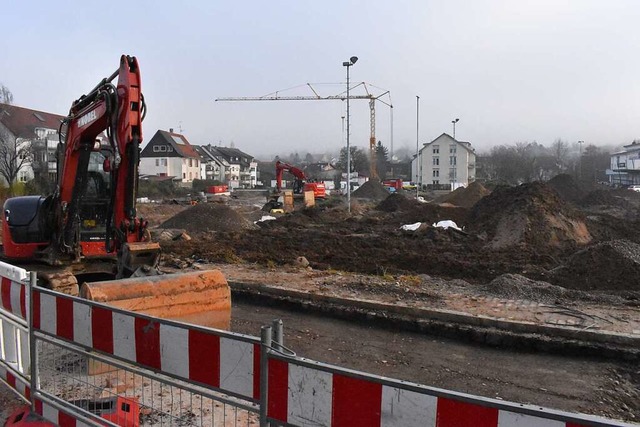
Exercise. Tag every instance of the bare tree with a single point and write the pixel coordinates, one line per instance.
(15, 152)
(14, 155)
(560, 153)
(6, 97)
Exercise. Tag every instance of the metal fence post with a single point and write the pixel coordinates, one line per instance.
(278, 337)
(33, 370)
(265, 339)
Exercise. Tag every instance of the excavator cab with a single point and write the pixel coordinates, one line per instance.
(95, 203)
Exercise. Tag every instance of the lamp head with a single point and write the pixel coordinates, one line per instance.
(353, 59)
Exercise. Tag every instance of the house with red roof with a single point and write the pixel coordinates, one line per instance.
(169, 154)
(35, 133)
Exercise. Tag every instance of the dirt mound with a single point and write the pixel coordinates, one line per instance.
(395, 202)
(613, 265)
(515, 286)
(208, 217)
(157, 213)
(529, 214)
(465, 197)
(372, 189)
(567, 188)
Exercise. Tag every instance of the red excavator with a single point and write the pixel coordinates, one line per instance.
(300, 184)
(88, 231)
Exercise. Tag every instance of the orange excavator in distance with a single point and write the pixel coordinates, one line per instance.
(300, 184)
(88, 233)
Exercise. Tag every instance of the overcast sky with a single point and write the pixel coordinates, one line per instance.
(511, 71)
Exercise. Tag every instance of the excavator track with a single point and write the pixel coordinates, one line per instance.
(61, 281)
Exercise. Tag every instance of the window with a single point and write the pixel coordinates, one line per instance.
(163, 162)
(436, 173)
(157, 162)
(452, 149)
(436, 182)
(452, 174)
(190, 162)
(184, 175)
(190, 175)
(196, 162)
(436, 149)
(436, 161)
(452, 160)
(170, 149)
(156, 149)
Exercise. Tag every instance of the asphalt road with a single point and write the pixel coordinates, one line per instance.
(587, 385)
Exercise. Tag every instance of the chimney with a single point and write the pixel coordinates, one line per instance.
(170, 130)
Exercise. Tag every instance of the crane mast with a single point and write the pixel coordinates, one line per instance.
(275, 96)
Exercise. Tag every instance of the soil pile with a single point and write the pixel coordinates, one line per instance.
(613, 265)
(208, 217)
(567, 188)
(515, 286)
(465, 197)
(395, 202)
(372, 189)
(156, 213)
(529, 214)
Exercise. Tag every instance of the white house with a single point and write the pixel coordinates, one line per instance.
(35, 130)
(444, 163)
(240, 168)
(625, 165)
(170, 154)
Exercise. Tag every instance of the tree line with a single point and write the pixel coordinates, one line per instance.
(530, 161)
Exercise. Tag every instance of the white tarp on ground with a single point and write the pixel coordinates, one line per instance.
(265, 218)
(411, 227)
(446, 224)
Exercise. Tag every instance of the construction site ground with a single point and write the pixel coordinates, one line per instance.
(535, 297)
(538, 269)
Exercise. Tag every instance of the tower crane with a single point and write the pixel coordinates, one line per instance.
(369, 95)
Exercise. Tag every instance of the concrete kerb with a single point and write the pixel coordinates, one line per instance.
(492, 331)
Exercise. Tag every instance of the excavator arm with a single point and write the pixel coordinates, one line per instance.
(281, 167)
(117, 111)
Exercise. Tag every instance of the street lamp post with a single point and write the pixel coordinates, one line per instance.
(580, 162)
(417, 146)
(348, 64)
(454, 127)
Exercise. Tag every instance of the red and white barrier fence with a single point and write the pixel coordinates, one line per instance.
(13, 297)
(291, 390)
(16, 382)
(303, 392)
(225, 361)
(14, 336)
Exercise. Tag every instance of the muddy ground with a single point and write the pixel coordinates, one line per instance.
(530, 230)
(561, 235)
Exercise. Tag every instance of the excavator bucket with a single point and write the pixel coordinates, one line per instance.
(200, 297)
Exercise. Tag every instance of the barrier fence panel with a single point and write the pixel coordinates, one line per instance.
(302, 392)
(134, 369)
(14, 333)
